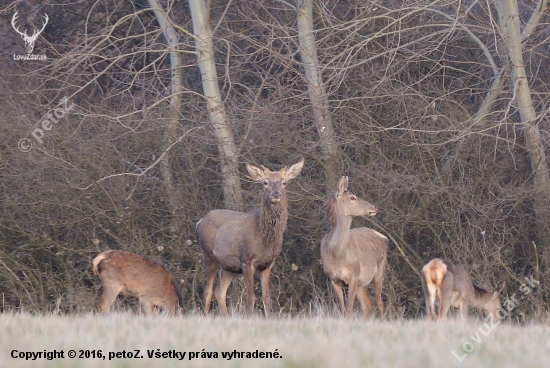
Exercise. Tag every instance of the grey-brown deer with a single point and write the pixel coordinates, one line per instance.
(449, 284)
(133, 275)
(353, 257)
(246, 242)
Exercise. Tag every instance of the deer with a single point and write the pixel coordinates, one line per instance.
(29, 40)
(246, 243)
(449, 284)
(130, 274)
(353, 257)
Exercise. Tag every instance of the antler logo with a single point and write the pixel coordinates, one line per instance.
(29, 40)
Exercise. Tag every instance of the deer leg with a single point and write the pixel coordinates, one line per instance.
(429, 297)
(108, 297)
(445, 291)
(366, 304)
(377, 282)
(352, 292)
(265, 277)
(445, 299)
(170, 309)
(210, 268)
(149, 307)
(339, 294)
(464, 310)
(221, 291)
(248, 274)
(430, 305)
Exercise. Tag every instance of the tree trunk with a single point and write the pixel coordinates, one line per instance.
(171, 130)
(317, 92)
(510, 27)
(227, 149)
(479, 119)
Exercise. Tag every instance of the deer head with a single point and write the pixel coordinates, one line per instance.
(349, 204)
(492, 304)
(29, 40)
(274, 182)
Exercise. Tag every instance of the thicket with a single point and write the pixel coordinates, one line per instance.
(404, 81)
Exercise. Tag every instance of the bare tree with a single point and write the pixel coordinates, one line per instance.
(229, 156)
(317, 91)
(510, 25)
(172, 127)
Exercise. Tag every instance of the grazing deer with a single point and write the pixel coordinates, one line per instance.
(353, 257)
(246, 242)
(450, 284)
(133, 275)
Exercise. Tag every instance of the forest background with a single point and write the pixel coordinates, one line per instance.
(438, 111)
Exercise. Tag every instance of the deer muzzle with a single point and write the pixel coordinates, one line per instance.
(275, 197)
(372, 212)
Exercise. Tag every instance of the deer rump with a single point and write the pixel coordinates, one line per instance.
(132, 275)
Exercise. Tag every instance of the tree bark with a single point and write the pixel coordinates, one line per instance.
(171, 130)
(498, 83)
(229, 157)
(479, 119)
(510, 27)
(317, 92)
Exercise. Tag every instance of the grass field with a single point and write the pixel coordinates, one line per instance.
(301, 342)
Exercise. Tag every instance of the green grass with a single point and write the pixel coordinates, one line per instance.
(302, 342)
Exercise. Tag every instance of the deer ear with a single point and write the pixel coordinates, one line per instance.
(342, 186)
(294, 170)
(255, 172)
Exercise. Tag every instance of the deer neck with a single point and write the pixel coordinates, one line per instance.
(339, 233)
(273, 219)
(480, 297)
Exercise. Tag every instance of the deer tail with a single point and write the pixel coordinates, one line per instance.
(98, 259)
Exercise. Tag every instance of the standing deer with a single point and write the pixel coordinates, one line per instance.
(450, 284)
(133, 275)
(246, 242)
(353, 257)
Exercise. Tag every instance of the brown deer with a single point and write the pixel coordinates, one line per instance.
(246, 242)
(353, 257)
(450, 284)
(133, 275)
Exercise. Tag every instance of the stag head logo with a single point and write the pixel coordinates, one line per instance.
(29, 40)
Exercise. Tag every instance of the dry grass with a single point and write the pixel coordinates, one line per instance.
(302, 342)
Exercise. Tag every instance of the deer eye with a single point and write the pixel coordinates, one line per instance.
(265, 182)
(284, 182)
(353, 198)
